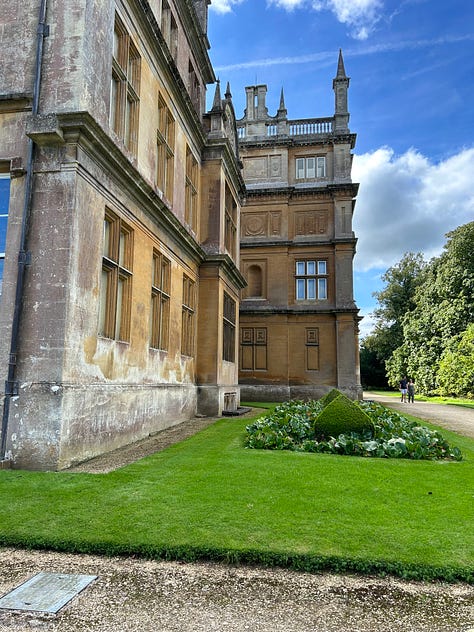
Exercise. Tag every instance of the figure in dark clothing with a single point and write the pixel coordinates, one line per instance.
(411, 391)
(403, 388)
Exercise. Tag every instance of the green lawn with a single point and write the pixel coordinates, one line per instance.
(209, 498)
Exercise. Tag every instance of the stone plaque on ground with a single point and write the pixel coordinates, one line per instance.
(46, 592)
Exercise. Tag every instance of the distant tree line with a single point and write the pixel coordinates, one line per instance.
(424, 322)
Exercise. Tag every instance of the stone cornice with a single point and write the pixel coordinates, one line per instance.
(288, 311)
(327, 190)
(296, 243)
(302, 140)
(229, 268)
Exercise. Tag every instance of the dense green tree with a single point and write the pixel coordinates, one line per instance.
(444, 308)
(456, 366)
(394, 301)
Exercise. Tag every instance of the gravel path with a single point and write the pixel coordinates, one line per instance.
(132, 595)
(457, 418)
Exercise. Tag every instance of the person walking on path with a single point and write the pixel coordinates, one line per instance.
(411, 391)
(403, 388)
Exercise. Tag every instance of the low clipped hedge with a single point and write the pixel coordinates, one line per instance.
(298, 425)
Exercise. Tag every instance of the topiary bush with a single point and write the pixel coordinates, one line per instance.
(342, 416)
(327, 399)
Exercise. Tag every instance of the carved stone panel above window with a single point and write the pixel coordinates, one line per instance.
(311, 223)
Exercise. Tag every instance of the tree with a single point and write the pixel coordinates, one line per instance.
(395, 301)
(444, 308)
(456, 366)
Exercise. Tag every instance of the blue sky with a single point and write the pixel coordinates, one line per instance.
(411, 99)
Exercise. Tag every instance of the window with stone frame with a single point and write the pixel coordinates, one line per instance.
(188, 320)
(165, 150)
(229, 328)
(116, 282)
(169, 29)
(311, 280)
(230, 236)
(192, 191)
(160, 302)
(194, 88)
(310, 167)
(4, 206)
(125, 88)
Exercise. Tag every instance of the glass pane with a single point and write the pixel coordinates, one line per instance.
(311, 289)
(118, 317)
(310, 167)
(300, 168)
(103, 302)
(4, 192)
(321, 267)
(322, 288)
(107, 232)
(321, 167)
(122, 250)
(311, 267)
(3, 233)
(300, 289)
(300, 268)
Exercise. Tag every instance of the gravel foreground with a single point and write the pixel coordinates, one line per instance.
(135, 595)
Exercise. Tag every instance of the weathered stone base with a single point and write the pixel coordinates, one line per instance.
(282, 393)
(55, 426)
(212, 400)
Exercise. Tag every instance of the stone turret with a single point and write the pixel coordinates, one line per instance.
(340, 86)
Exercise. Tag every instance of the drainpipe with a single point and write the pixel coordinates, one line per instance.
(11, 384)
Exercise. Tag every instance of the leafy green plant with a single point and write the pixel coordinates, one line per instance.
(291, 426)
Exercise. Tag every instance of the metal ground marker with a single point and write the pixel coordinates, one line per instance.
(46, 592)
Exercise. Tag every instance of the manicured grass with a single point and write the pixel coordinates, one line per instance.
(454, 401)
(210, 498)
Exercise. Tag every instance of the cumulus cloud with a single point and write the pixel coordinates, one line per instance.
(224, 6)
(360, 16)
(407, 203)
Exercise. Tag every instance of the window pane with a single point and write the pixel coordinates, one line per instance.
(106, 251)
(321, 267)
(4, 193)
(310, 167)
(3, 233)
(322, 288)
(300, 289)
(300, 268)
(321, 167)
(311, 289)
(300, 168)
(311, 267)
(118, 317)
(123, 250)
(103, 302)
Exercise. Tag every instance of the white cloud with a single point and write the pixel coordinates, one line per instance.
(360, 16)
(367, 323)
(407, 204)
(224, 6)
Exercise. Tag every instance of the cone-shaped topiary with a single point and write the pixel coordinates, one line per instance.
(341, 416)
(327, 399)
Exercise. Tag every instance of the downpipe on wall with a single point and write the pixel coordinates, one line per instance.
(11, 384)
